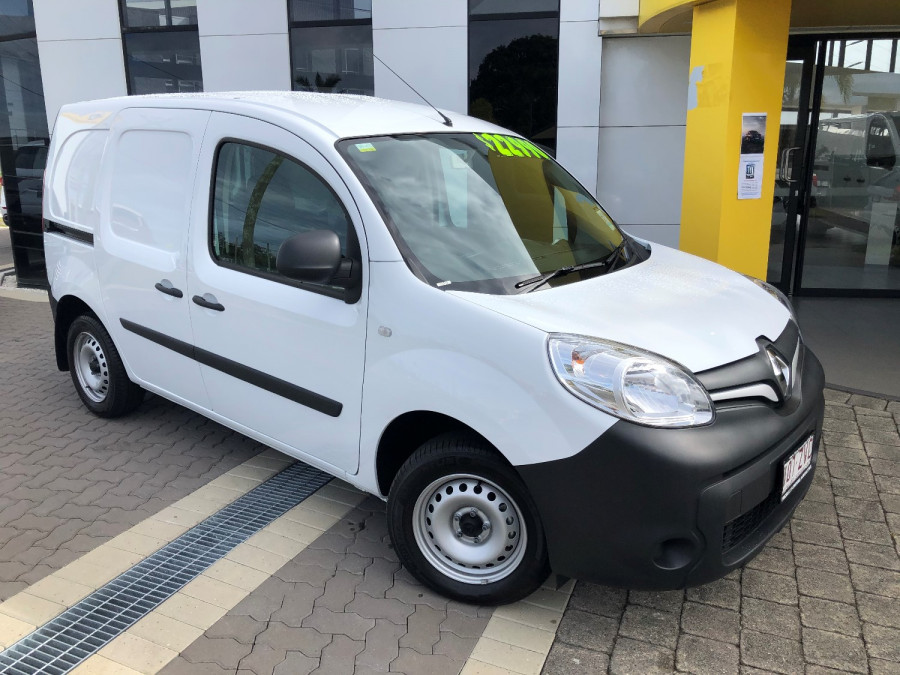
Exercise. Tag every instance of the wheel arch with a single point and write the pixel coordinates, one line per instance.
(407, 432)
(69, 308)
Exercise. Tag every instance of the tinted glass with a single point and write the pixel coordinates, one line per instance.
(262, 199)
(333, 59)
(330, 10)
(513, 75)
(853, 228)
(477, 7)
(157, 13)
(163, 62)
(480, 212)
(23, 152)
(16, 17)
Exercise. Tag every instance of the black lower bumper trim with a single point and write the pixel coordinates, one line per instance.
(648, 508)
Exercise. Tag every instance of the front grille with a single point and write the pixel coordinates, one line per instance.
(743, 526)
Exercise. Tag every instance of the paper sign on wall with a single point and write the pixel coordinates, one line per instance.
(750, 168)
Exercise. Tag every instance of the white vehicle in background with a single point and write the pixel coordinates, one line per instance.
(856, 166)
(431, 308)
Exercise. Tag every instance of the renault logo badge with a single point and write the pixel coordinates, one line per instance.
(781, 369)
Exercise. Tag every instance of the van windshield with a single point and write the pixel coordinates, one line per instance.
(483, 212)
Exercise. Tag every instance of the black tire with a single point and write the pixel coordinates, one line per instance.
(105, 390)
(468, 464)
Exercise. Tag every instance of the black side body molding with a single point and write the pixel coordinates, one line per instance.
(257, 378)
(70, 232)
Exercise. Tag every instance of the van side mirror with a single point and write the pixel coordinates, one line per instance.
(313, 256)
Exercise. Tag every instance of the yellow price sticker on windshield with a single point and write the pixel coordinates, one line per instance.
(511, 146)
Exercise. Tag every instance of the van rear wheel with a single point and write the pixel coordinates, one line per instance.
(463, 523)
(97, 370)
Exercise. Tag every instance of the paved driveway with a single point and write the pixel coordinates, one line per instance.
(824, 594)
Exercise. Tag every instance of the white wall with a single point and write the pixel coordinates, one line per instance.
(643, 114)
(426, 42)
(580, 51)
(80, 48)
(244, 45)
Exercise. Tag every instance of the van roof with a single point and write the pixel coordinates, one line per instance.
(331, 115)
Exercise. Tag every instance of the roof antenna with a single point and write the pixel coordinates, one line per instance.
(446, 119)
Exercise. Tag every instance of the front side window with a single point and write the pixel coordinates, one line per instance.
(263, 198)
(482, 212)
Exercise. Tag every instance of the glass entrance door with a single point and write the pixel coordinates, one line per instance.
(790, 187)
(838, 173)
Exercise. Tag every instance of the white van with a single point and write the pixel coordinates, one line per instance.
(438, 313)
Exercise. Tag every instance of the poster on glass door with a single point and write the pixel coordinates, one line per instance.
(753, 142)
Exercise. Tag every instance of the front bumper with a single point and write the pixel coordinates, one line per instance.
(667, 508)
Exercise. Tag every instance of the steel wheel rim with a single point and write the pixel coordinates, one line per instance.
(449, 520)
(91, 367)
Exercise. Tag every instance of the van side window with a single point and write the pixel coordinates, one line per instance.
(73, 186)
(261, 199)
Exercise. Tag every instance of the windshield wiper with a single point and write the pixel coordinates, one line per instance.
(609, 262)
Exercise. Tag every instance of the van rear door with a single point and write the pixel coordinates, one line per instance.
(142, 247)
(281, 359)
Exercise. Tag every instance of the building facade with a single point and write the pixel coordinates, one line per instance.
(644, 101)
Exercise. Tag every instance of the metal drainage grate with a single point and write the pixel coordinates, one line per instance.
(64, 642)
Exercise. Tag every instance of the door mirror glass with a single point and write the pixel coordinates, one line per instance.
(880, 146)
(314, 256)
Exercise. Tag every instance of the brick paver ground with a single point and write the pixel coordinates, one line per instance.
(824, 594)
(344, 605)
(823, 597)
(69, 480)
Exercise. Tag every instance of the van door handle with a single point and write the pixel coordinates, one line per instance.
(165, 286)
(209, 304)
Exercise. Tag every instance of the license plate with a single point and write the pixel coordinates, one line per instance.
(796, 466)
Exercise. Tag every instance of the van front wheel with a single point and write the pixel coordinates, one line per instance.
(464, 524)
(97, 370)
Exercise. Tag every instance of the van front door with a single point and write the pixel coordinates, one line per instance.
(282, 361)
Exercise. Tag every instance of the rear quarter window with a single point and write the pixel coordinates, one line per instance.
(73, 186)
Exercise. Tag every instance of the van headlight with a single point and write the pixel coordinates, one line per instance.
(629, 383)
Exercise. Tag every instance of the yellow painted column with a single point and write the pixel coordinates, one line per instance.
(738, 52)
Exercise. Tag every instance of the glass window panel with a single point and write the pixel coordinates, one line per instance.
(330, 10)
(477, 7)
(23, 151)
(184, 12)
(163, 62)
(855, 54)
(513, 75)
(262, 199)
(853, 232)
(333, 59)
(160, 13)
(16, 17)
(881, 56)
